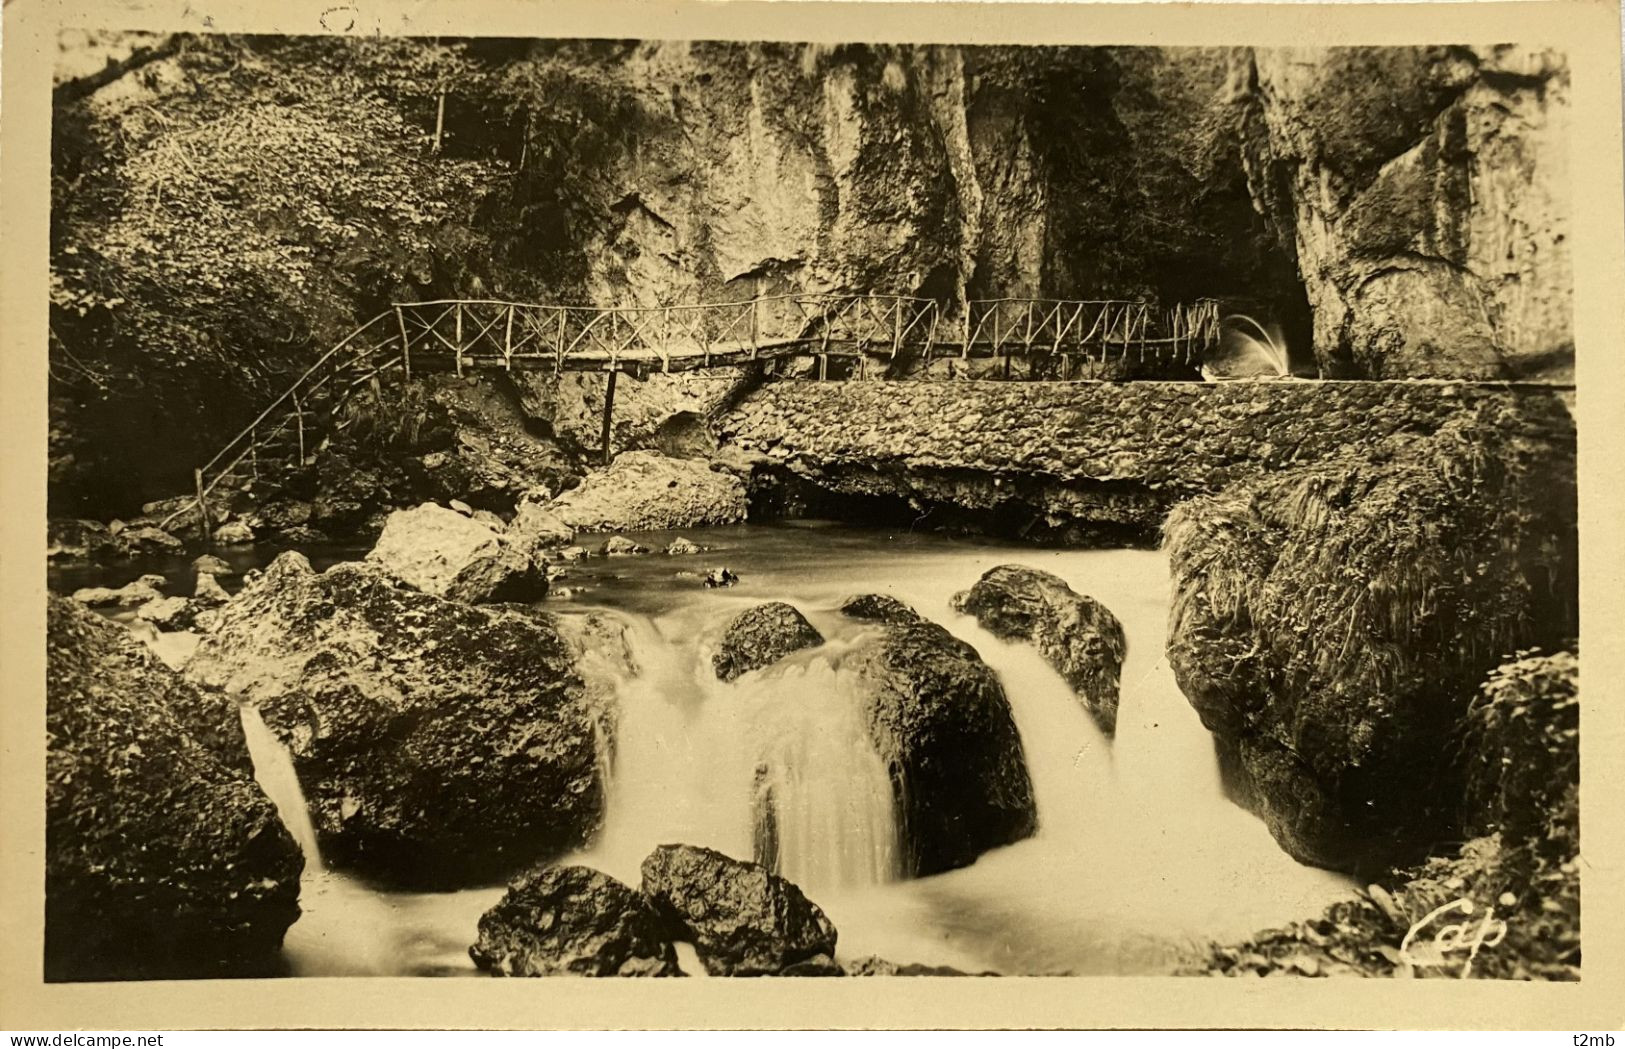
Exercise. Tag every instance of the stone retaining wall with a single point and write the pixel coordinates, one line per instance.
(1065, 458)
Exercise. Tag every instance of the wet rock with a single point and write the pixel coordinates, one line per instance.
(209, 592)
(304, 535)
(574, 553)
(572, 921)
(234, 533)
(146, 541)
(761, 636)
(461, 507)
(817, 965)
(683, 547)
(70, 539)
(742, 919)
(131, 595)
(1076, 635)
(163, 858)
(167, 613)
(1332, 713)
(437, 742)
(716, 578)
(874, 965)
(645, 492)
(940, 721)
(209, 564)
(879, 608)
(283, 516)
(621, 546)
(444, 553)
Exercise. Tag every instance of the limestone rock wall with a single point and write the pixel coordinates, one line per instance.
(1424, 192)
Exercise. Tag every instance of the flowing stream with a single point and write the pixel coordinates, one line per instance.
(1138, 858)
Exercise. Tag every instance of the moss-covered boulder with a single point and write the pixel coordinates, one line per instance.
(941, 723)
(1332, 623)
(163, 857)
(572, 921)
(1519, 872)
(437, 742)
(878, 608)
(743, 919)
(1076, 635)
(761, 636)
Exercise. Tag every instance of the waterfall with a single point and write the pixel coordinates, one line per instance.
(273, 769)
(776, 766)
(1138, 855)
(819, 784)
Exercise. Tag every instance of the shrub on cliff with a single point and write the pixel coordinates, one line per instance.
(1331, 623)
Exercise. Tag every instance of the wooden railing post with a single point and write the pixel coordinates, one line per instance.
(507, 341)
(202, 508)
(559, 348)
(609, 411)
(299, 422)
(457, 338)
(406, 343)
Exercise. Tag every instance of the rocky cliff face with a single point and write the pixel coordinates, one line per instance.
(1412, 198)
(1424, 192)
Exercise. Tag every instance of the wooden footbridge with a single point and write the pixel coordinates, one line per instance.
(461, 335)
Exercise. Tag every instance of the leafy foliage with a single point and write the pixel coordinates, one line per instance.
(224, 213)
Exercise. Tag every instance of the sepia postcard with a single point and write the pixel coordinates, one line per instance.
(1039, 515)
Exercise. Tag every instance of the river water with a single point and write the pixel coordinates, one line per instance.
(1138, 859)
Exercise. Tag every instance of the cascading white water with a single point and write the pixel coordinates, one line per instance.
(775, 766)
(273, 769)
(1138, 855)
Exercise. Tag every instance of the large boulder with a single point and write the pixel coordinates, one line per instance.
(537, 530)
(131, 595)
(761, 636)
(742, 919)
(1076, 635)
(1424, 193)
(572, 921)
(941, 723)
(878, 608)
(645, 492)
(437, 742)
(163, 857)
(442, 552)
(168, 613)
(1332, 623)
(78, 539)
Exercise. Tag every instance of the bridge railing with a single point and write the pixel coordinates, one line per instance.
(490, 332)
(472, 332)
(1008, 326)
(351, 363)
